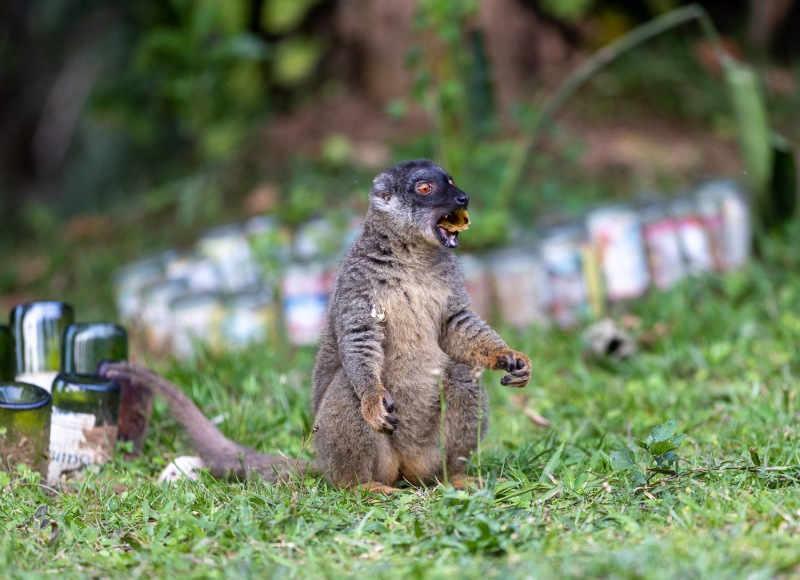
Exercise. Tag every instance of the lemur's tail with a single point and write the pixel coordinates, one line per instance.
(223, 457)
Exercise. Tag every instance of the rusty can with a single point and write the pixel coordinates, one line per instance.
(520, 285)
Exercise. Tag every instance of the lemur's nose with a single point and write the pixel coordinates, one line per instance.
(462, 199)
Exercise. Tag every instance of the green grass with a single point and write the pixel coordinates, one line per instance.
(725, 369)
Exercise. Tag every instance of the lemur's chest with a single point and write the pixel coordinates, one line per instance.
(413, 310)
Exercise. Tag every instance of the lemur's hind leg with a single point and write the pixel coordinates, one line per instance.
(349, 452)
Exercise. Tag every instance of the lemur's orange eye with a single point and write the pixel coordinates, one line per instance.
(450, 181)
(424, 188)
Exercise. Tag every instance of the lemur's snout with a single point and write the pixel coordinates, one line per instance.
(462, 200)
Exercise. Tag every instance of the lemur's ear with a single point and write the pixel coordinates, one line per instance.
(382, 187)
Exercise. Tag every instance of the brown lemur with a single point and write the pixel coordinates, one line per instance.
(398, 338)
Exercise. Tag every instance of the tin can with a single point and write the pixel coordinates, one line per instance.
(37, 328)
(664, 255)
(196, 319)
(8, 361)
(25, 418)
(479, 285)
(616, 233)
(726, 201)
(693, 236)
(227, 247)
(249, 317)
(561, 250)
(199, 272)
(84, 424)
(316, 239)
(520, 285)
(129, 282)
(156, 313)
(305, 289)
(271, 245)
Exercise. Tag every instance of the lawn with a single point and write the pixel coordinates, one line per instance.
(719, 356)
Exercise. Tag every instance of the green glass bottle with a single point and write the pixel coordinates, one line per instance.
(8, 361)
(24, 426)
(37, 328)
(84, 347)
(83, 429)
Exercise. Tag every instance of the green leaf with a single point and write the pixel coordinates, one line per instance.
(670, 457)
(663, 432)
(553, 464)
(638, 479)
(752, 125)
(678, 439)
(755, 457)
(640, 443)
(661, 447)
(622, 460)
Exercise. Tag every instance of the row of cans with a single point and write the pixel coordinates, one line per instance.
(619, 253)
(256, 282)
(241, 283)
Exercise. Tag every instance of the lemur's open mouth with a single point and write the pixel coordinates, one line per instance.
(450, 224)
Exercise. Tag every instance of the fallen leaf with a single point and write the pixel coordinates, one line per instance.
(536, 418)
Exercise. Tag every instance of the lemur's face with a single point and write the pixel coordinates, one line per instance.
(423, 196)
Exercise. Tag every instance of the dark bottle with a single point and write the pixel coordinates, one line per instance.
(83, 428)
(24, 426)
(37, 328)
(85, 346)
(8, 362)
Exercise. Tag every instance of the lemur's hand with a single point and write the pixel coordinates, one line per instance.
(518, 366)
(377, 407)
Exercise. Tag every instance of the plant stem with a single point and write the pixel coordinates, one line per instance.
(588, 69)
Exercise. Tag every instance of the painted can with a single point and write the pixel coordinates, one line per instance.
(199, 272)
(196, 319)
(478, 283)
(662, 243)
(227, 247)
(593, 278)
(616, 233)
(248, 318)
(561, 250)
(129, 282)
(37, 328)
(317, 239)
(520, 285)
(726, 201)
(693, 236)
(305, 289)
(271, 246)
(156, 313)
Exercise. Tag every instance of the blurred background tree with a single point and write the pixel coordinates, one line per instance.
(182, 103)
